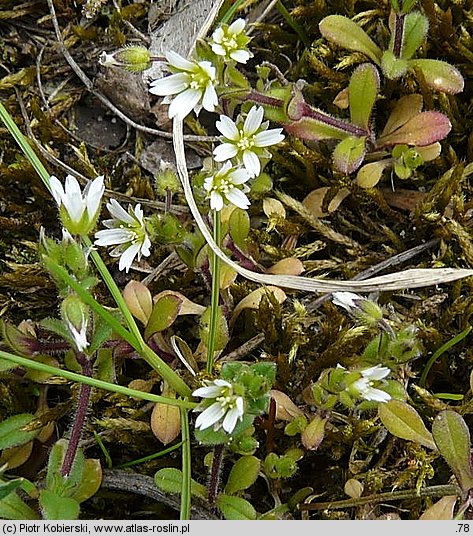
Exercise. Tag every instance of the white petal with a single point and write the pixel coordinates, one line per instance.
(223, 383)
(183, 103)
(377, 395)
(210, 416)
(239, 176)
(170, 85)
(94, 192)
(376, 373)
(72, 187)
(176, 60)
(347, 300)
(218, 35)
(208, 68)
(230, 420)
(218, 49)
(228, 128)
(138, 213)
(112, 237)
(216, 201)
(241, 56)
(269, 137)
(225, 152)
(145, 247)
(238, 198)
(210, 99)
(127, 257)
(236, 26)
(118, 212)
(211, 391)
(251, 163)
(57, 190)
(253, 120)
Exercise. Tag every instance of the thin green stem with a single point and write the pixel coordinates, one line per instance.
(440, 351)
(186, 467)
(150, 457)
(232, 9)
(214, 302)
(93, 382)
(293, 24)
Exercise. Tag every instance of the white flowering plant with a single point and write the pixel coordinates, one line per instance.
(231, 402)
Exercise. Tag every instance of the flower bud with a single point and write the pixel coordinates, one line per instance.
(133, 58)
(75, 314)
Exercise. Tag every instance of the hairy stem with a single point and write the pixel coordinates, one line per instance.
(215, 471)
(79, 420)
(398, 35)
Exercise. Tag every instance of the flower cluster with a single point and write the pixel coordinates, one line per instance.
(363, 387)
(221, 408)
(193, 85)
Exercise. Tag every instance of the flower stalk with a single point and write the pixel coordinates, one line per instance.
(215, 296)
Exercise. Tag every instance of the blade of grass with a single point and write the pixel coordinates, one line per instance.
(150, 457)
(440, 351)
(93, 382)
(186, 467)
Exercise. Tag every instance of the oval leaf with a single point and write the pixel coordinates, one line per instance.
(239, 227)
(347, 34)
(405, 108)
(57, 507)
(243, 474)
(440, 75)
(91, 481)
(314, 201)
(362, 93)
(414, 34)
(370, 174)
(235, 508)
(139, 301)
(165, 422)
(169, 480)
(349, 154)
(286, 410)
(314, 433)
(403, 421)
(441, 510)
(164, 313)
(423, 129)
(13, 508)
(452, 438)
(12, 431)
(289, 266)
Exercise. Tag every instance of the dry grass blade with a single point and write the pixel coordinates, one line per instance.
(415, 278)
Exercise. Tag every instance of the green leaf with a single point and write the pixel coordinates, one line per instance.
(13, 508)
(235, 508)
(90, 482)
(347, 34)
(209, 436)
(452, 438)
(243, 474)
(369, 176)
(403, 421)
(169, 480)
(221, 332)
(349, 154)
(58, 507)
(423, 129)
(12, 433)
(63, 486)
(440, 75)
(362, 93)
(239, 227)
(9, 487)
(164, 313)
(414, 34)
(392, 67)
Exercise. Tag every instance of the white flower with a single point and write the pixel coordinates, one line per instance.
(193, 84)
(224, 186)
(78, 210)
(348, 300)
(126, 230)
(230, 42)
(364, 385)
(246, 142)
(225, 410)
